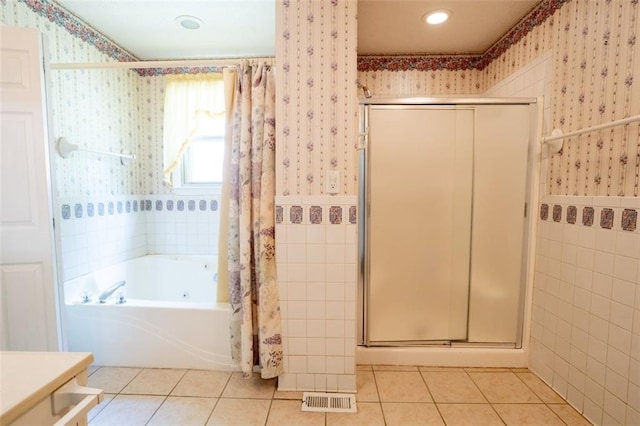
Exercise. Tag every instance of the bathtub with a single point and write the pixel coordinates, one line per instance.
(169, 317)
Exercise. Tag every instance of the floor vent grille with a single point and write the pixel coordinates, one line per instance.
(329, 402)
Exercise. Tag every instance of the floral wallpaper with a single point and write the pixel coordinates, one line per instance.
(316, 91)
(595, 60)
(97, 109)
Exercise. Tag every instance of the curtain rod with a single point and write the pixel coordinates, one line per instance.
(557, 136)
(149, 64)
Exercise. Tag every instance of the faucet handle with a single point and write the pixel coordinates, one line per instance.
(85, 297)
(120, 299)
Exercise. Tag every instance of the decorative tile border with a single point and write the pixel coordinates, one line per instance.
(587, 216)
(629, 220)
(627, 217)
(296, 214)
(537, 16)
(111, 208)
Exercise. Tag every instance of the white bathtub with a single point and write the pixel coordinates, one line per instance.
(169, 319)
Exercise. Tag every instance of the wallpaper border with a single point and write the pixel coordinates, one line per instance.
(535, 17)
(57, 14)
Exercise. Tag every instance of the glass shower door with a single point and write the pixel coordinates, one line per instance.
(419, 183)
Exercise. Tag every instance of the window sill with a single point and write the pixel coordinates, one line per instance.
(197, 190)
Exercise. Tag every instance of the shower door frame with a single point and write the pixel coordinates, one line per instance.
(364, 207)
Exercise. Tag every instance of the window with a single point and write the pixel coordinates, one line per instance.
(194, 130)
(202, 161)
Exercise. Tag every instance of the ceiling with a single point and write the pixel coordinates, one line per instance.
(396, 27)
(237, 28)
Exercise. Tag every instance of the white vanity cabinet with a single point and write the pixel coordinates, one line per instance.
(45, 388)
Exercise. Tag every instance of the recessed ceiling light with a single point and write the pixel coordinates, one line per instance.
(189, 22)
(437, 17)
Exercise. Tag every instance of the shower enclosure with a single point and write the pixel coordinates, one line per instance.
(444, 193)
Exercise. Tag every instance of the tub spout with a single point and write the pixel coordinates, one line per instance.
(108, 292)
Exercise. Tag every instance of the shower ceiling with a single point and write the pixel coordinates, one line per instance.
(232, 28)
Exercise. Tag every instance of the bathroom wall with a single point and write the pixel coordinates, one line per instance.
(585, 331)
(583, 57)
(421, 83)
(586, 314)
(316, 232)
(107, 212)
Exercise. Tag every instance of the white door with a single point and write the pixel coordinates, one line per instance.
(28, 319)
(419, 224)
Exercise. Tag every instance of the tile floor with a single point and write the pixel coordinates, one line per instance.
(387, 395)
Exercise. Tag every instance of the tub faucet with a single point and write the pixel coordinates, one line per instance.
(108, 292)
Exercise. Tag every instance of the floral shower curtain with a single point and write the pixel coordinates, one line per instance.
(253, 289)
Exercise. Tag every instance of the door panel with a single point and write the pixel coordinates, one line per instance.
(419, 224)
(27, 292)
(500, 179)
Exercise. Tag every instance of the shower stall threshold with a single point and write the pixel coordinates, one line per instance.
(443, 356)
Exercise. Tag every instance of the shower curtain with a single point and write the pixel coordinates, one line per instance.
(253, 290)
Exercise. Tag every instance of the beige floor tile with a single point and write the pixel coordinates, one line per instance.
(369, 414)
(394, 368)
(453, 386)
(106, 399)
(363, 367)
(130, 410)
(289, 413)
(406, 414)
(240, 412)
(254, 387)
(503, 387)
(540, 388)
(469, 414)
(527, 414)
(183, 411)
(292, 395)
(202, 383)
(486, 369)
(401, 386)
(366, 386)
(112, 379)
(154, 381)
(569, 415)
(440, 369)
(92, 369)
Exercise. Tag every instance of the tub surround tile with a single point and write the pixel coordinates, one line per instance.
(527, 414)
(131, 410)
(400, 386)
(255, 387)
(503, 387)
(158, 381)
(202, 383)
(177, 410)
(240, 412)
(469, 414)
(113, 379)
(401, 413)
